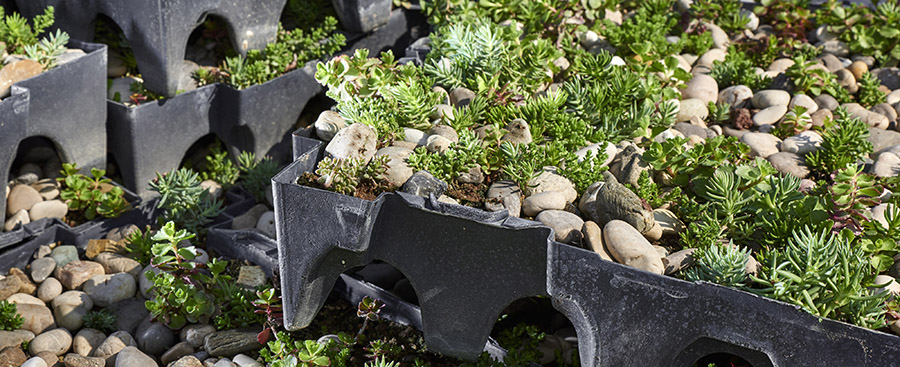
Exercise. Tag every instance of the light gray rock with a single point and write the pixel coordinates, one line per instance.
(789, 163)
(120, 89)
(86, 341)
(115, 263)
(887, 165)
(827, 102)
(48, 209)
(37, 318)
(846, 80)
(438, 144)
(870, 118)
(266, 224)
(250, 218)
(770, 97)
(355, 141)
(549, 180)
(504, 195)
(761, 144)
(75, 273)
(445, 131)
(836, 47)
(893, 97)
(133, 357)
(883, 139)
(113, 344)
(48, 188)
(832, 63)
(689, 130)
(566, 226)
(549, 200)
(693, 107)
(702, 87)
(418, 137)
(678, 261)
(770, 115)
(49, 289)
(14, 338)
(424, 184)
(710, 57)
(889, 77)
(629, 247)
(461, 97)
(607, 148)
(328, 124)
(738, 96)
(196, 333)
(628, 165)
(593, 239)
(803, 143)
(42, 268)
(181, 353)
(780, 65)
(804, 101)
(70, 307)
(35, 362)
(58, 341)
(20, 218)
(108, 289)
(819, 117)
(668, 222)
(144, 284)
(24, 299)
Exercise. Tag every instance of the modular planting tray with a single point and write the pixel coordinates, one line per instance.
(158, 30)
(155, 136)
(63, 104)
(466, 265)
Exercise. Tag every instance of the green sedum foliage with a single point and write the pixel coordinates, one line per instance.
(9, 317)
(94, 196)
(184, 201)
(844, 142)
(18, 34)
(101, 320)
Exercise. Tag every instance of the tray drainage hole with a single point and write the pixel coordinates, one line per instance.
(208, 145)
(121, 56)
(521, 323)
(388, 278)
(210, 43)
(36, 158)
(722, 360)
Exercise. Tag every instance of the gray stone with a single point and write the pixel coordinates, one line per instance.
(438, 144)
(196, 333)
(49, 289)
(836, 47)
(58, 341)
(75, 360)
(108, 289)
(133, 357)
(593, 239)
(617, 202)
(709, 58)
(693, 107)
(819, 117)
(48, 188)
(250, 218)
(251, 277)
(609, 149)
(780, 65)
(244, 361)
(356, 141)
(231, 342)
(832, 63)
(668, 222)
(474, 176)
(48, 209)
(424, 184)
(120, 88)
(145, 285)
(761, 144)
(629, 165)
(678, 261)
(64, 254)
(25, 299)
(18, 219)
(14, 338)
(70, 307)
(770, 97)
(549, 200)
(629, 247)
(113, 344)
(870, 118)
(461, 97)
(702, 87)
(87, 340)
(883, 139)
(689, 130)
(445, 131)
(154, 338)
(566, 226)
(789, 163)
(803, 143)
(121, 233)
(42, 268)
(805, 101)
(12, 356)
(887, 165)
(846, 80)
(738, 96)
(827, 102)
(504, 195)
(893, 97)
(441, 111)
(549, 180)
(889, 77)
(266, 224)
(419, 137)
(398, 170)
(37, 318)
(328, 124)
(35, 362)
(183, 349)
(518, 132)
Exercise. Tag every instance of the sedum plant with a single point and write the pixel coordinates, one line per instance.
(256, 174)
(345, 175)
(183, 201)
(16, 32)
(720, 264)
(219, 167)
(823, 274)
(869, 95)
(101, 320)
(9, 317)
(93, 196)
(48, 49)
(844, 142)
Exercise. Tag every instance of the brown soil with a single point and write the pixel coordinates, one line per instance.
(468, 193)
(368, 190)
